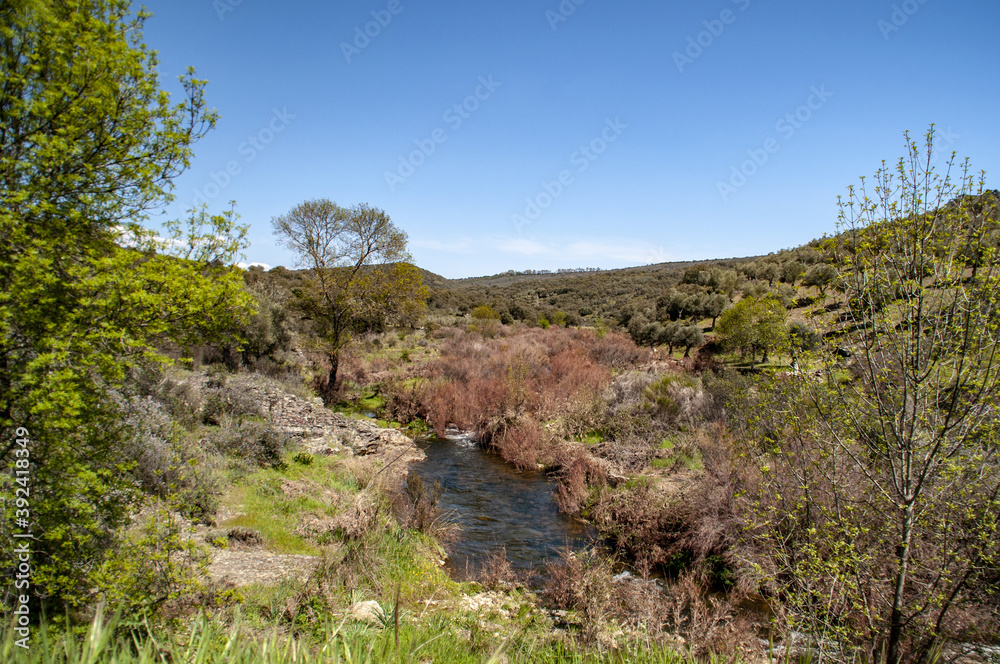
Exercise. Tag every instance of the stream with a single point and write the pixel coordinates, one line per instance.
(496, 505)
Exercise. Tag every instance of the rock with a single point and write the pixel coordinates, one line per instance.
(241, 536)
(369, 611)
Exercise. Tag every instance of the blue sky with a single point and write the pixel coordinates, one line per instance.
(582, 133)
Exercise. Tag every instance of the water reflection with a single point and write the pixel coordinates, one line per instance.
(496, 505)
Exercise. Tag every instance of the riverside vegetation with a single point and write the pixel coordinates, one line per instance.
(795, 455)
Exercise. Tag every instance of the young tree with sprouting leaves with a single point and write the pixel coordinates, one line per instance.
(359, 271)
(876, 498)
(89, 144)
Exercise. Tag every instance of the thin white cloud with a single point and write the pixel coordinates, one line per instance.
(462, 246)
(636, 252)
(521, 246)
(552, 254)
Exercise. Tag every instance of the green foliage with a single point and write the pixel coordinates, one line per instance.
(801, 337)
(875, 500)
(154, 562)
(485, 312)
(753, 325)
(448, 639)
(821, 275)
(268, 331)
(359, 276)
(90, 144)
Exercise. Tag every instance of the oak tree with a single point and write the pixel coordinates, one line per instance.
(358, 272)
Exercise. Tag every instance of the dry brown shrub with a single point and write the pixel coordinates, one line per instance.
(519, 443)
(530, 371)
(417, 506)
(695, 530)
(628, 455)
(497, 573)
(439, 401)
(615, 349)
(578, 471)
(708, 621)
(639, 522)
(360, 518)
(583, 581)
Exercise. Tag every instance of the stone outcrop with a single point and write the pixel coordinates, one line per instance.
(323, 431)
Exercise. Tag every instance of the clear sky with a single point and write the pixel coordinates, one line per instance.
(517, 134)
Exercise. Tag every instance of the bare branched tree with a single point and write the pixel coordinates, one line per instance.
(359, 271)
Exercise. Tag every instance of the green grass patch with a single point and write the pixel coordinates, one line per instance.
(266, 508)
(452, 638)
(691, 461)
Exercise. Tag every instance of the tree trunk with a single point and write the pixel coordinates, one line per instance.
(896, 621)
(331, 379)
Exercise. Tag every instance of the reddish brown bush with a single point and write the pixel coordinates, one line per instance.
(497, 573)
(615, 349)
(519, 443)
(695, 530)
(578, 471)
(572, 375)
(402, 403)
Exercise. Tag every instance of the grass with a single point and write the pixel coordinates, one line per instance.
(439, 639)
(265, 507)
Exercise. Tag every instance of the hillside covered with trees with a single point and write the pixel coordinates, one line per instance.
(787, 456)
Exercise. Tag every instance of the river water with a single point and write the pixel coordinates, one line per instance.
(496, 505)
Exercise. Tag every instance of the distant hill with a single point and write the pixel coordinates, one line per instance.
(579, 294)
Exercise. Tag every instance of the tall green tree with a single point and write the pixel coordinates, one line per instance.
(359, 271)
(89, 144)
(878, 497)
(754, 325)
